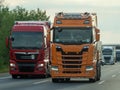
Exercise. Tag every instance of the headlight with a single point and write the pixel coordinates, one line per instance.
(89, 68)
(12, 65)
(40, 65)
(54, 68)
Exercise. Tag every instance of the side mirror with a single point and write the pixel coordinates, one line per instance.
(7, 42)
(97, 37)
(52, 28)
(97, 34)
(102, 63)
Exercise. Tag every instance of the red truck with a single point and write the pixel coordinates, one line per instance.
(29, 48)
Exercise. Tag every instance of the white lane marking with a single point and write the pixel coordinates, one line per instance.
(5, 77)
(113, 76)
(101, 82)
(40, 82)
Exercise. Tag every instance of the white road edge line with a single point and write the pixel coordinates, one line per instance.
(5, 77)
(40, 82)
(113, 76)
(101, 82)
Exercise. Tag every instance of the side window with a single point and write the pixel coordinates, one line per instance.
(94, 34)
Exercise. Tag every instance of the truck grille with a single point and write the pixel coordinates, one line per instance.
(71, 61)
(107, 59)
(26, 66)
(26, 56)
(71, 72)
(71, 66)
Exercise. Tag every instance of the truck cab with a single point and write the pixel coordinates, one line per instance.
(118, 55)
(108, 55)
(29, 48)
(74, 47)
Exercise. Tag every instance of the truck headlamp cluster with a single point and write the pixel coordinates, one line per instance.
(54, 68)
(40, 65)
(12, 65)
(89, 68)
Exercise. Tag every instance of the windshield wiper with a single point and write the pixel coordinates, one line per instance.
(18, 47)
(71, 43)
(26, 47)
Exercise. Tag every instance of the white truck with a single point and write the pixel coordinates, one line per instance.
(118, 53)
(108, 55)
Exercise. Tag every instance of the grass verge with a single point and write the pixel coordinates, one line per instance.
(4, 69)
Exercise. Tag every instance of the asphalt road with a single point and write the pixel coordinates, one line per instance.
(110, 80)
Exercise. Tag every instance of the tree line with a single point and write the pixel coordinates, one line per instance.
(7, 19)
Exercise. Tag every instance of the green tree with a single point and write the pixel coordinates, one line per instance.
(22, 14)
(7, 19)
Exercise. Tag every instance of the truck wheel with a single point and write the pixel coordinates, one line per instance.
(55, 80)
(96, 76)
(14, 76)
(67, 79)
(98, 72)
(47, 71)
(92, 80)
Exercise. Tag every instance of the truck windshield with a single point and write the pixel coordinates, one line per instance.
(27, 40)
(118, 55)
(107, 52)
(72, 35)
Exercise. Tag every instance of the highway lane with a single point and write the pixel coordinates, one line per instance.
(110, 80)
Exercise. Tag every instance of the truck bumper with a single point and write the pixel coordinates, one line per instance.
(27, 73)
(86, 74)
(26, 69)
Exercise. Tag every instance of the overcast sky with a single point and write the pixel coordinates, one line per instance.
(108, 12)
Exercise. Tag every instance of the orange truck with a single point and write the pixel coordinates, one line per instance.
(74, 47)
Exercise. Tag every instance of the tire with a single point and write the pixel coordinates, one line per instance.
(55, 80)
(98, 73)
(97, 76)
(92, 80)
(67, 79)
(14, 76)
(47, 70)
